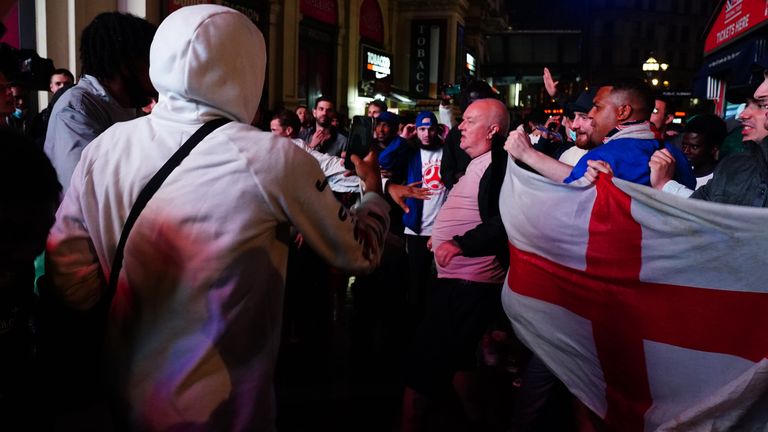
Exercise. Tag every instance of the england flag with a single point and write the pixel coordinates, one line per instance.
(651, 308)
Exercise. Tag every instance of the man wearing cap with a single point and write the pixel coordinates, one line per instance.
(581, 127)
(385, 130)
(421, 164)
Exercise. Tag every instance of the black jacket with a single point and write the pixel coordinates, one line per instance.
(455, 160)
(489, 238)
(740, 178)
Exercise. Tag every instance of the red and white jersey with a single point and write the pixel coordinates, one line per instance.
(430, 176)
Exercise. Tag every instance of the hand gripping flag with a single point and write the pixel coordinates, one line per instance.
(651, 308)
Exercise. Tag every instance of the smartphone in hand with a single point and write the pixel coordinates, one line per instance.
(360, 137)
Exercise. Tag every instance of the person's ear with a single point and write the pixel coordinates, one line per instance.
(624, 112)
(289, 130)
(668, 119)
(492, 130)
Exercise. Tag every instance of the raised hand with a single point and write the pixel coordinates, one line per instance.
(662, 166)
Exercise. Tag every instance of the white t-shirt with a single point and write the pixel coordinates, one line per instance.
(572, 155)
(701, 181)
(430, 174)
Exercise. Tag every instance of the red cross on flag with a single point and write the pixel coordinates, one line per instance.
(651, 308)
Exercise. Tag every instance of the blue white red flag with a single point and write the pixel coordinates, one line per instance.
(650, 307)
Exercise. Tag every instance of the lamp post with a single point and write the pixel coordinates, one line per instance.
(655, 72)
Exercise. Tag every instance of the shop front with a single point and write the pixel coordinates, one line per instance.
(735, 52)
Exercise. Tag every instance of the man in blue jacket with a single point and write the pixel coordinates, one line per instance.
(622, 132)
(417, 156)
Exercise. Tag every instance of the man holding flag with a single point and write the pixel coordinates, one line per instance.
(648, 306)
(622, 135)
(623, 143)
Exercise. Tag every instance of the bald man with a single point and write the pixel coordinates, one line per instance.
(466, 238)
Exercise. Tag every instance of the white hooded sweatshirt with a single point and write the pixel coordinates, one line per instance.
(199, 302)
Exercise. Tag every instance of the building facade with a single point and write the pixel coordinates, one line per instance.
(350, 50)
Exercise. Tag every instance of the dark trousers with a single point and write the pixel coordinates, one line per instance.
(421, 276)
(458, 314)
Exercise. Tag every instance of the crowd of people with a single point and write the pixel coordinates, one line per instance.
(194, 320)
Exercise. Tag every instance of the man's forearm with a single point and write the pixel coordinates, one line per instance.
(546, 166)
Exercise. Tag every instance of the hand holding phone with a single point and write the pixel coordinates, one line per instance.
(360, 137)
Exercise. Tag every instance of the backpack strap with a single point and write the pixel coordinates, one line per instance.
(146, 194)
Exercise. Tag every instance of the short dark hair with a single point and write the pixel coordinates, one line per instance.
(115, 40)
(537, 116)
(324, 99)
(669, 104)
(710, 126)
(62, 71)
(379, 103)
(288, 118)
(637, 90)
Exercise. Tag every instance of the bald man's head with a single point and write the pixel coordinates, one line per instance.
(483, 119)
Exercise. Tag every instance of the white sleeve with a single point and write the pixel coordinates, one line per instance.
(341, 183)
(330, 164)
(350, 240)
(333, 168)
(676, 188)
(71, 264)
(446, 115)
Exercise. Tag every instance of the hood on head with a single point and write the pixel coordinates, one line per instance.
(212, 57)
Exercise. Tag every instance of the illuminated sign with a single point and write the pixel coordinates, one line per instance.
(426, 46)
(471, 64)
(380, 64)
(735, 19)
(376, 64)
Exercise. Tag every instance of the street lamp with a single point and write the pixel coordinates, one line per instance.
(654, 71)
(651, 65)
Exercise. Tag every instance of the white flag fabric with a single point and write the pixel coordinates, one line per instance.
(651, 308)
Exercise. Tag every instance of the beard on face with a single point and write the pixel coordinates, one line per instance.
(324, 121)
(582, 141)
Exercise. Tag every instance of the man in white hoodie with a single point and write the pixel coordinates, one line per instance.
(195, 322)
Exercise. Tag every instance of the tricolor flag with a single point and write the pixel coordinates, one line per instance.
(651, 308)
